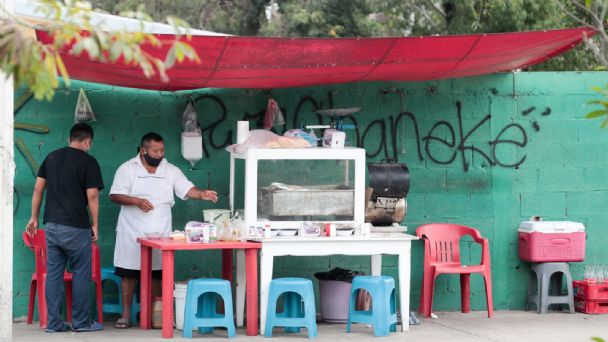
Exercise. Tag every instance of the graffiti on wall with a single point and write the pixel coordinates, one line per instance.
(445, 143)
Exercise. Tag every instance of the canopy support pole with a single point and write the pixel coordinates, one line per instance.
(7, 174)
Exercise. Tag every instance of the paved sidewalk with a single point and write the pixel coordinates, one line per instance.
(506, 326)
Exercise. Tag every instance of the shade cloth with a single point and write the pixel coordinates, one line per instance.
(262, 62)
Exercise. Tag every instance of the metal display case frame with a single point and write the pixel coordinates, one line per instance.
(252, 157)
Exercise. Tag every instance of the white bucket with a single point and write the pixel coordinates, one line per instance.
(180, 304)
(216, 215)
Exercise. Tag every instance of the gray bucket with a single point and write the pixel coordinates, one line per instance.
(334, 296)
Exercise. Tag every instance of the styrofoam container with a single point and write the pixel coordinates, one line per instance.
(180, 304)
(551, 241)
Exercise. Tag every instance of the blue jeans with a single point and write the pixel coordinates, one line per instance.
(66, 243)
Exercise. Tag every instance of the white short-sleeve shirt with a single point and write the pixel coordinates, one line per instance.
(132, 179)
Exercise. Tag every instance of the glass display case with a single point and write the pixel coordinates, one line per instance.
(284, 188)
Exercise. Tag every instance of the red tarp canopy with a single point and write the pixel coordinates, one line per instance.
(259, 62)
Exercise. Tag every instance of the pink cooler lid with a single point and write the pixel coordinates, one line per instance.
(551, 227)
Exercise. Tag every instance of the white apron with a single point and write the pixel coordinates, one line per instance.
(133, 222)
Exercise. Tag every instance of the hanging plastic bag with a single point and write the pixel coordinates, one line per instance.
(83, 112)
(273, 116)
(190, 119)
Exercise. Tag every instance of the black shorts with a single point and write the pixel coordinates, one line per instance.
(125, 272)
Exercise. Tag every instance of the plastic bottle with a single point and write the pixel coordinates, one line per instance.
(212, 232)
(157, 313)
(267, 231)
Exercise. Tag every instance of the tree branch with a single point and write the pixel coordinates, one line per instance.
(572, 15)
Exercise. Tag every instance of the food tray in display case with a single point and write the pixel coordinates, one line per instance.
(302, 201)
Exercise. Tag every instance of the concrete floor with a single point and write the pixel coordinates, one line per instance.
(516, 326)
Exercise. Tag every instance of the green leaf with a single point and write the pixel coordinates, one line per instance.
(179, 53)
(115, 51)
(62, 70)
(127, 54)
(598, 102)
(170, 59)
(190, 52)
(598, 89)
(91, 46)
(604, 123)
(51, 69)
(153, 40)
(596, 113)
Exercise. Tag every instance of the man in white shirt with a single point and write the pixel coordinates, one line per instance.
(144, 187)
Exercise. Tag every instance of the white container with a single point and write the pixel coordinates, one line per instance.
(197, 234)
(192, 146)
(252, 231)
(337, 140)
(242, 131)
(267, 231)
(180, 304)
(332, 230)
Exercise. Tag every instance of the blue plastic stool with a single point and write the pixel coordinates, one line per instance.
(294, 291)
(200, 309)
(107, 274)
(383, 314)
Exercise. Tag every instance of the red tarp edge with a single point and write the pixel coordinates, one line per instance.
(261, 62)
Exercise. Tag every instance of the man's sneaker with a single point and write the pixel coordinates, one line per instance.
(92, 326)
(65, 327)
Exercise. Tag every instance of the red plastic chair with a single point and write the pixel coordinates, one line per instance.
(38, 245)
(442, 255)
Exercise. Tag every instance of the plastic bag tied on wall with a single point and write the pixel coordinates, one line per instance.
(273, 116)
(83, 111)
(190, 119)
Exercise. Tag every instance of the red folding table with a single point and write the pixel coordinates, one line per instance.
(168, 247)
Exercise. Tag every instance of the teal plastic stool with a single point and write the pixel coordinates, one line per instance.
(383, 314)
(107, 274)
(201, 311)
(294, 291)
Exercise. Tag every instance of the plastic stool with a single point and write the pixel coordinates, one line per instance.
(294, 291)
(383, 314)
(544, 274)
(107, 274)
(200, 309)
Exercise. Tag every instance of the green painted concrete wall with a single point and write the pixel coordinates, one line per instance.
(487, 152)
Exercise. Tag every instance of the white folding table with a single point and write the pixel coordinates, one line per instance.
(373, 245)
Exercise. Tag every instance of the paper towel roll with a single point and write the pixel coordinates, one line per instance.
(242, 130)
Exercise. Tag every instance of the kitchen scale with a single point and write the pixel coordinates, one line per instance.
(337, 116)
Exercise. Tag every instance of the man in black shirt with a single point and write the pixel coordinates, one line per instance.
(72, 180)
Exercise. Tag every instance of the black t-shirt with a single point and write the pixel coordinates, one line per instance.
(69, 172)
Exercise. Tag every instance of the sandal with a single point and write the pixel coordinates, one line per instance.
(123, 323)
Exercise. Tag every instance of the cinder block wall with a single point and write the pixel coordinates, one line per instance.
(487, 152)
